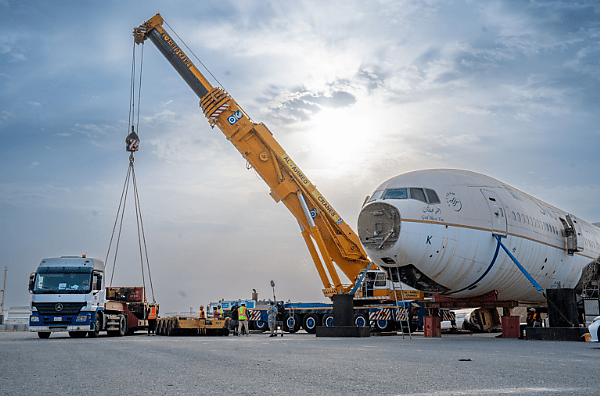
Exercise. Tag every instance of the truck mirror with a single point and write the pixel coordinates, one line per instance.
(98, 285)
(31, 282)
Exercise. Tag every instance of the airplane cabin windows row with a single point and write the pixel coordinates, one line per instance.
(517, 217)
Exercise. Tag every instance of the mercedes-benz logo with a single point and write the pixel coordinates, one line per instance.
(59, 307)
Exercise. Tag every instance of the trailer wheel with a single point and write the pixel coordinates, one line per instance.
(310, 323)
(122, 326)
(170, 329)
(161, 327)
(360, 320)
(328, 320)
(97, 326)
(384, 325)
(292, 323)
(44, 335)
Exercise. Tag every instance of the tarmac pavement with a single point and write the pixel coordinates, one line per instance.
(295, 364)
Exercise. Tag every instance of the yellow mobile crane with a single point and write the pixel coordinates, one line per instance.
(319, 222)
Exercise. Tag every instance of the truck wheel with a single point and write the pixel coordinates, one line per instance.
(160, 330)
(328, 320)
(44, 335)
(97, 326)
(310, 323)
(292, 323)
(77, 334)
(122, 326)
(360, 320)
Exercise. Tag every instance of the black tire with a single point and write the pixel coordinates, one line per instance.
(44, 335)
(122, 326)
(292, 323)
(170, 331)
(97, 326)
(310, 323)
(161, 327)
(384, 325)
(360, 320)
(260, 325)
(77, 334)
(327, 320)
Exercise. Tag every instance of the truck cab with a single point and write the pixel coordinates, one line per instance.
(67, 294)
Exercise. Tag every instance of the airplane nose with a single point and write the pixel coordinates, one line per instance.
(379, 226)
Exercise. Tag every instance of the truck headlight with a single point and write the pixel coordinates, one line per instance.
(35, 318)
(81, 318)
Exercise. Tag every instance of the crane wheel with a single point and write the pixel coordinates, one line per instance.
(310, 323)
(361, 320)
(292, 323)
(384, 325)
(327, 320)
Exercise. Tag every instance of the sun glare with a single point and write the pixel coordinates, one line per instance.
(338, 141)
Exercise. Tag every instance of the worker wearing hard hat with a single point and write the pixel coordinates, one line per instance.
(243, 319)
(202, 313)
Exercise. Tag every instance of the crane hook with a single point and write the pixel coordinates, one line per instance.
(132, 141)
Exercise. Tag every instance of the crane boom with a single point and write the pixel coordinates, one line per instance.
(335, 240)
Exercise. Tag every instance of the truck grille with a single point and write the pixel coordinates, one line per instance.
(68, 308)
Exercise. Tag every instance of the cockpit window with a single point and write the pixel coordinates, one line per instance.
(418, 194)
(426, 195)
(376, 195)
(432, 196)
(395, 193)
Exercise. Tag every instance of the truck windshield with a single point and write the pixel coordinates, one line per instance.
(63, 280)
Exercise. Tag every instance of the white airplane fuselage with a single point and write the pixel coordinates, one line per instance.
(439, 228)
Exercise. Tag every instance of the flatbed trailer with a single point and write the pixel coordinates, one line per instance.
(185, 325)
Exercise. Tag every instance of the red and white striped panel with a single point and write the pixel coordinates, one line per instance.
(254, 315)
(382, 314)
(219, 111)
(401, 314)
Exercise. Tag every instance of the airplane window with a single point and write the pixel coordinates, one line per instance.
(418, 194)
(432, 196)
(514, 216)
(395, 193)
(519, 216)
(376, 195)
(527, 218)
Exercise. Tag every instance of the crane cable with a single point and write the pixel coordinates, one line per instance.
(132, 146)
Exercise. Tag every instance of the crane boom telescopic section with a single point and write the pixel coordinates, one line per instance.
(337, 243)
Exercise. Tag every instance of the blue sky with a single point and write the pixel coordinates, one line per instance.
(355, 91)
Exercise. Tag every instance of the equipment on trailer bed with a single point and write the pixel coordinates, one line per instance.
(185, 325)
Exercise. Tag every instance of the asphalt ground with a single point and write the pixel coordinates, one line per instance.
(296, 364)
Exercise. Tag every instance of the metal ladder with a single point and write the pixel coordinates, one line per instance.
(398, 314)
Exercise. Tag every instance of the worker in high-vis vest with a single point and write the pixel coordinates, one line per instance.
(202, 313)
(243, 319)
(152, 316)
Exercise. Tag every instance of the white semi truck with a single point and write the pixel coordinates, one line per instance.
(68, 294)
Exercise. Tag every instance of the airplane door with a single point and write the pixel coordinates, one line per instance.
(497, 212)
